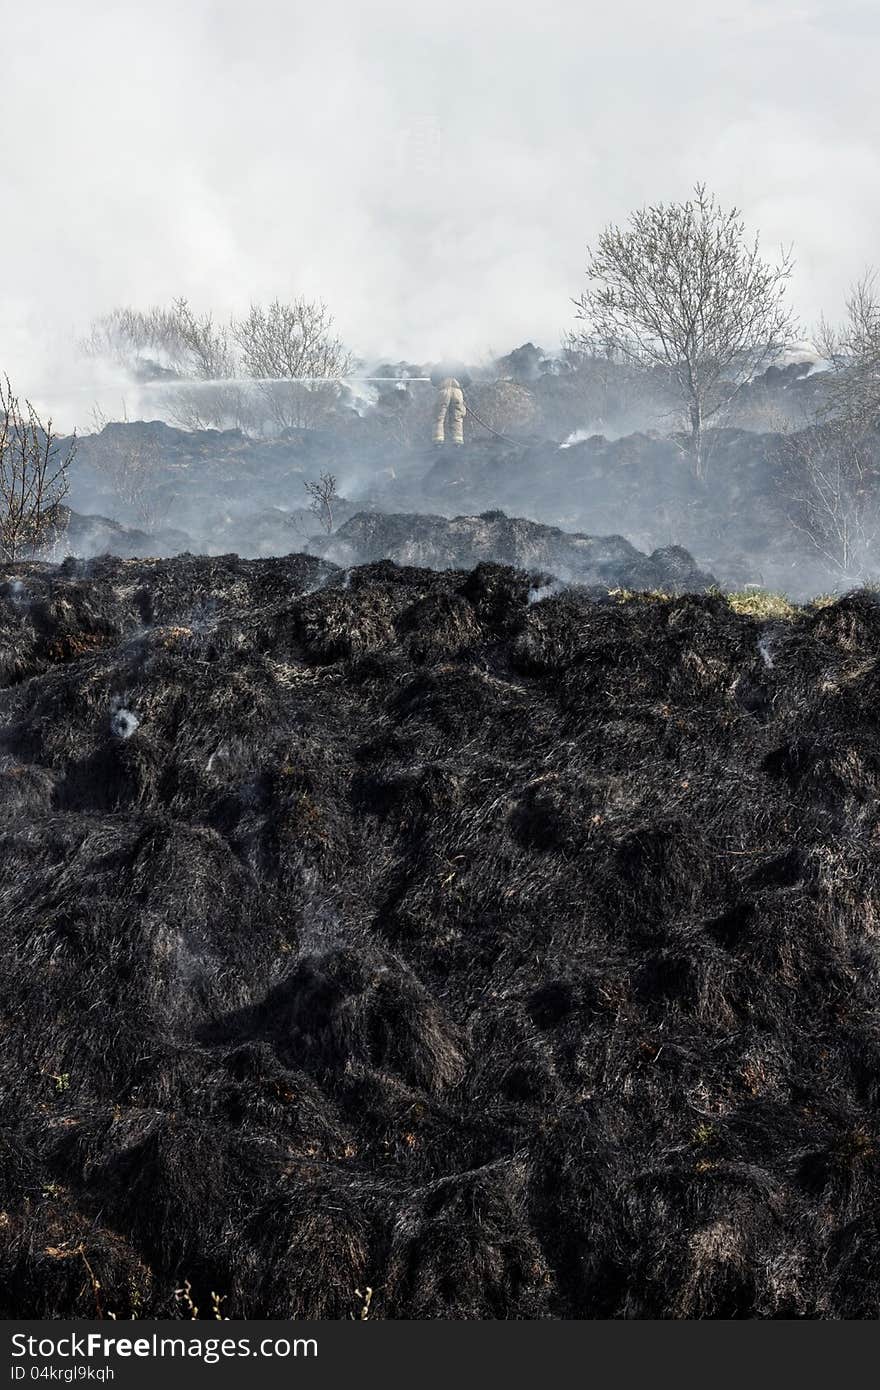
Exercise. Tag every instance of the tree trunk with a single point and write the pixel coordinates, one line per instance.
(697, 437)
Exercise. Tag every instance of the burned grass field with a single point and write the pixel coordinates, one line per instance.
(391, 929)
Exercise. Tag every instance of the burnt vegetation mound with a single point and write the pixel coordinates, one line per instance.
(436, 542)
(390, 929)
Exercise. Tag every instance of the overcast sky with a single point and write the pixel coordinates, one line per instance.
(433, 171)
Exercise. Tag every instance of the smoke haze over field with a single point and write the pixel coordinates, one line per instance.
(433, 172)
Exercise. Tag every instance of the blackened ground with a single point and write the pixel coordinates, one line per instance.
(437, 542)
(391, 928)
(215, 492)
(434, 542)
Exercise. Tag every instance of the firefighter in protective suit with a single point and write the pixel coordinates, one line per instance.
(449, 408)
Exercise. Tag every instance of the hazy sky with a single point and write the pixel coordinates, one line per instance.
(434, 171)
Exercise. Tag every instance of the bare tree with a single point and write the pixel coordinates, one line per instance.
(202, 346)
(33, 479)
(289, 352)
(181, 342)
(852, 350)
(192, 352)
(832, 483)
(324, 497)
(205, 354)
(683, 289)
(292, 351)
(121, 336)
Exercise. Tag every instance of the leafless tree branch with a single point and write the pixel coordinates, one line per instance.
(33, 479)
(682, 288)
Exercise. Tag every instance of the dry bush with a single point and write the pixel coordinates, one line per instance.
(277, 348)
(323, 497)
(176, 338)
(33, 479)
(853, 349)
(832, 482)
(281, 347)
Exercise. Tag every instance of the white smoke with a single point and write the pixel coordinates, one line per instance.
(463, 222)
(549, 590)
(123, 722)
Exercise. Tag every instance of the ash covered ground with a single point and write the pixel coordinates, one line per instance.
(216, 492)
(509, 951)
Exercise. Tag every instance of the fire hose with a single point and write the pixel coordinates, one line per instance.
(473, 414)
(316, 380)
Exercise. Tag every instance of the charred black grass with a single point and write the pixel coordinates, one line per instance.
(391, 928)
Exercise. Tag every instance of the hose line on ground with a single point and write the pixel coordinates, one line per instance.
(470, 410)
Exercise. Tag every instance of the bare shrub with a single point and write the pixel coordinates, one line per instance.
(683, 289)
(294, 355)
(33, 479)
(177, 344)
(852, 350)
(832, 483)
(211, 405)
(175, 339)
(288, 354)
(324, 497)
(205, 353)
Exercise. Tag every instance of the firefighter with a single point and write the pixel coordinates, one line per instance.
(450, 406)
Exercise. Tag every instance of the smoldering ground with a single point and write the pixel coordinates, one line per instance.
(762, 515)
(505, 947)
(510, 955)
